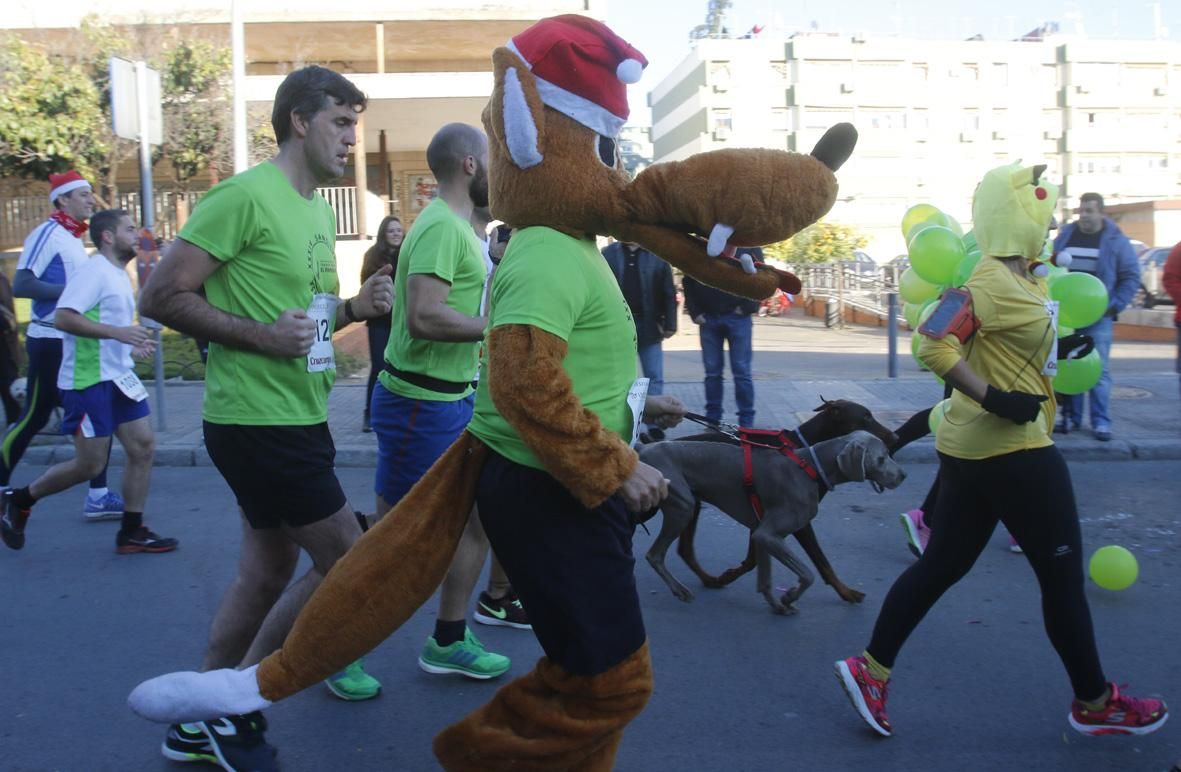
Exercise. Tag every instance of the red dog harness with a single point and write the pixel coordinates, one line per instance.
(773, 440)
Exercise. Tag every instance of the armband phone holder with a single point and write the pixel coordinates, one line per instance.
(953, 316)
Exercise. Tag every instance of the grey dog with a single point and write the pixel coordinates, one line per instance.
(712, 472)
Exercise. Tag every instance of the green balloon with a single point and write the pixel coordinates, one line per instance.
(918, 226)
(947, 221)
(963, 271)
(970, 241)
(1063, 330)
(934, 254)
(1082, 299)
(910, 312)
(1113, 568)
(914, 289)
(935, 417)
(916, 214)
(1078, 376)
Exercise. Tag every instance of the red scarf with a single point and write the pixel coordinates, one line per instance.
(76, 227)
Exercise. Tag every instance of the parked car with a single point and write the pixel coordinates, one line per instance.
(1152, 290)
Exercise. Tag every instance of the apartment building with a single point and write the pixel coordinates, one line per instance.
(934, 115)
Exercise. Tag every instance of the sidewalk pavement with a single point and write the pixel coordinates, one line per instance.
(797, 361)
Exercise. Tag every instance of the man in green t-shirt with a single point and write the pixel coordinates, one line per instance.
(424, 396)
(262, 245)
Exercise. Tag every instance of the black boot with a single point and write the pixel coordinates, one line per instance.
(365, 427)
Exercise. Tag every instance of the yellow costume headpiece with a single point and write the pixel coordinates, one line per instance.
(1012, 209)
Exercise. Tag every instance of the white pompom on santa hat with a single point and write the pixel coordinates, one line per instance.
(582, 69)
(61, 184)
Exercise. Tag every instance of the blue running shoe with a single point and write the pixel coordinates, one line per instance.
(187, 742)
(239, 745)
(109, 507)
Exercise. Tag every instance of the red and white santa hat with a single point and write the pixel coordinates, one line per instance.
(61, 184)
(582, 69)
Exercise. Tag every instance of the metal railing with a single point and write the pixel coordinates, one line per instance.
(857, 289)
(20, 214)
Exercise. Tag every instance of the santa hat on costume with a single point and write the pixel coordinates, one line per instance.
(61, 184)
(582, 69)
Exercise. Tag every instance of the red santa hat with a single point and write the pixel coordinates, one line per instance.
(582, 69)
(61, 184)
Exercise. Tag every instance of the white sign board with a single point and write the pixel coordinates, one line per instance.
(125, 102)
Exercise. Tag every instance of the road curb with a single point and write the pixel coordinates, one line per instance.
(921, 452)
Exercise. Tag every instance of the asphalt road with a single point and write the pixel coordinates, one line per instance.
(977, 688)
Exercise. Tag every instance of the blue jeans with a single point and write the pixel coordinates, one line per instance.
(736, 330)
(1100, 396)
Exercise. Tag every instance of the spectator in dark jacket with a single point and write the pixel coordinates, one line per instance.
(725, 319)
(647, 284)
(383, 252)
(1097, 246)
(11, 353)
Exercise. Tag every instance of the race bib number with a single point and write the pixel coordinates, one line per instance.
(131, 386)
(637, 395)
(322, 311)
(1051, 366)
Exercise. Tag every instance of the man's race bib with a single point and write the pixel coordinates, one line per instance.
(323, 312)
(1050, 368)
(131, 386)
(637, 395)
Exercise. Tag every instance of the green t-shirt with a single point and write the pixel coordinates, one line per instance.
(563, 286)
(277, 249)
(443, 245)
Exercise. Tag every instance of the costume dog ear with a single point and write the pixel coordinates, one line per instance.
(517, 113)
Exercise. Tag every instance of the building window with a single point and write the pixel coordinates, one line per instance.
(919, 73)
(779, 68)
(719, 75)
(722, 120)
(1000, 74)
(821, 119)
(883, 119)
(970, 120)
(781, 119)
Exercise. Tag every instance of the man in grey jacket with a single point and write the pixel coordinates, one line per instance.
(1097, 246)
(647, 284)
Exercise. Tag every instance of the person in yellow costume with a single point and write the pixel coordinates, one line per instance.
(997, 462)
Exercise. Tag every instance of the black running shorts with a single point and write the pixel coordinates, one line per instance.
(281, 475)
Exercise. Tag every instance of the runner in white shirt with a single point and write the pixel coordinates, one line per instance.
(100, 392)
(52, 252)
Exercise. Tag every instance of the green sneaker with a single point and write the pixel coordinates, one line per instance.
(353, 683)
(467, 657)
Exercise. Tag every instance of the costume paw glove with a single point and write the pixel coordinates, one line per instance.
(1018, 406)
(1075, 346)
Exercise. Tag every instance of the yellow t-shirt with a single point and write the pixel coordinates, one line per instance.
(1016, 336)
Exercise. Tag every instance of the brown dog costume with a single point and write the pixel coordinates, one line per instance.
(558, 103)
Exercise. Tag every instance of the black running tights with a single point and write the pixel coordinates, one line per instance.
(1030, 492)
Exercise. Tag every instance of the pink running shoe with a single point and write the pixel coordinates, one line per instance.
(867, 694)
(917, 532)
(1121, 715)
(1014, 547)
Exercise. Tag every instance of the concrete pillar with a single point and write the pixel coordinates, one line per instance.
(383, 163)
(362, 177)
(380, 31)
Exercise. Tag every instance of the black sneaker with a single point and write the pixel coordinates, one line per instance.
(238, 743)
(12, 522)
(505, 612)
(187, 742)
(142, 540)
